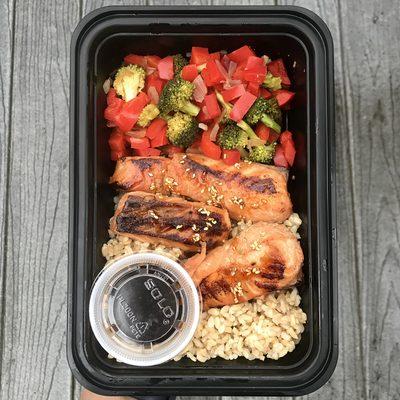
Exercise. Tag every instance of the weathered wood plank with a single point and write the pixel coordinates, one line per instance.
(367, 93)
(34, 364)
(6, 51)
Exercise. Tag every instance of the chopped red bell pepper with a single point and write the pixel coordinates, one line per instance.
(278, 69)
(255, 70)
(155, 81)
(200, 55)
(230, 157)
(238, 75)
(279, 158)
(160, 139)
(114, 106)
(130, 111)
(189, 72)
(215, 56)
(147, 152)
(233, 93)
(241, 55)
(283, 96)
(212, 105)
(135, 59)
(117, 140)
(243, 105)
(211, 74)
(288, 147)
(166, 68)
(156, 128)
(262, 131)
(265, 93)
(152, 61)
(209, 148)
(203, 115)
(139, 143)
(273, 136)
(254, 88)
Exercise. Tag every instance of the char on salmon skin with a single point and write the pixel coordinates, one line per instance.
(171, 221)
(263, 258)
(249, 191)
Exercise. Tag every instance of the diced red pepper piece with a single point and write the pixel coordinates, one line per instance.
(203, 115)
(273, 136)
(166, 68)
(116, 140)
(200, 55)
(135, 59)
(230, 157)
(288, 147)
(262, 131)
(152, 61)
(211, 74)
(277, 68)
(155, 81)
(139, 143)
(243, 105)
(239, 73)
(156, 127)
(215, 56)
(147, 152)
(279, 158)
(160, 139)
(283, 96)
(265, 93)
(212, 105)
(117, 154)
(255, 70)
(130, 111)
(209, 148)
(189, 72)
(241, 55)
(233, 93)
(254, 88)
(114, 106)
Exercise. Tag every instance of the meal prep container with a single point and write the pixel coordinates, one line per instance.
(298, 36)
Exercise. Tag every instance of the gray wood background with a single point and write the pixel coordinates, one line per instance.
(34, 100)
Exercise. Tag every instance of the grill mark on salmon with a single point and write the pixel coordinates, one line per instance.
(172, 221)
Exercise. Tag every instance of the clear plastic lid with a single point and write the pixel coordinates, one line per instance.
(144, 309)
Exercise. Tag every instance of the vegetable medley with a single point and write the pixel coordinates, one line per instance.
(226, 106)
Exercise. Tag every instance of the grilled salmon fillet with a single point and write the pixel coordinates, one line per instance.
(141, 173)
(262, 258)
(249, 191)
(171, 221)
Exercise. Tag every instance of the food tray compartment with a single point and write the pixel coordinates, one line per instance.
(99, 44)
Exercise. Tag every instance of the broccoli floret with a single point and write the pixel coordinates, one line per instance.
(175, 97)
(147, 115)
(262, 154)
(179, 63)
(272, 82)
(232, 137)
(182, 129)
(265, 110)
(129, 81)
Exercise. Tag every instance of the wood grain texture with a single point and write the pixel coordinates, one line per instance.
(34, 364)
(6, 51)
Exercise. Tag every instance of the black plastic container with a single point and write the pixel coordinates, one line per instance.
(99, 43)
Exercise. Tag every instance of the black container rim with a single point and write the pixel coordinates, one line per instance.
(322, 368)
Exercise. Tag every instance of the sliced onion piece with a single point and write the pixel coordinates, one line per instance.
(149, 70)
(232, 68)
(153, 94)
(214, 132)
(221, 69)
(139, 134)
(202, 126)
(107, 85)
(200, 89)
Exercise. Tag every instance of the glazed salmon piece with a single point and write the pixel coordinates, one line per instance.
(141, 173)
(250, 191)
(171, 221)
(262, 258)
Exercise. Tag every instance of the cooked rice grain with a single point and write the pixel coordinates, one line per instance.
(269, 327)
